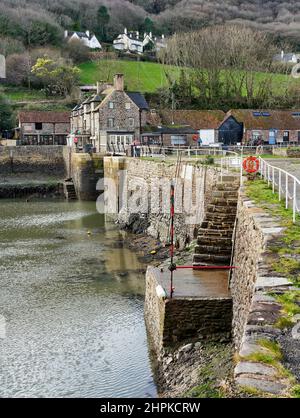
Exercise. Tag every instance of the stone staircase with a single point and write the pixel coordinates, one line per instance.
(214, 241)
(69, 190)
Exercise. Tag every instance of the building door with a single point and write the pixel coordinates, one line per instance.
(286, 136)
(272, 137)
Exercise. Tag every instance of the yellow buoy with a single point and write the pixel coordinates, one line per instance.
(153, 252)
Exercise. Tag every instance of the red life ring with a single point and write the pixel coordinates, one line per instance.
(251, 164)
(195, 137)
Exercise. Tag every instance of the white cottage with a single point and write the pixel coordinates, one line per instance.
(88, 39)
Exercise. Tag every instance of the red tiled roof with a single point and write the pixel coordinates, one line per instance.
(197, 119)
(276, 119)
(44, 117)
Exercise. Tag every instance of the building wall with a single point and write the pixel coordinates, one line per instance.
(47, 128)
(266, 132)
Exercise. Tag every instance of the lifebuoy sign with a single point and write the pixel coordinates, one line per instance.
(251, 164)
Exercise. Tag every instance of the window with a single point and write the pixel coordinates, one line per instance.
(131, 122)
(110, 122)
(286, 136)
(127, 106)
(178, 139)
(38, 126)
(111, 105)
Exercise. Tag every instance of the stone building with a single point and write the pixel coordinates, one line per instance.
(43, 128)
(268, 126)
(111, 120)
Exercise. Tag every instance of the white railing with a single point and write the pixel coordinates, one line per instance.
(157, 151)
(285, 184)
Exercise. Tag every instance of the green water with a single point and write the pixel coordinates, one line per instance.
(71, 321)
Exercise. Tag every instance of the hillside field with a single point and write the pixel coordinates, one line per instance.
(146, 76)
(139, 76)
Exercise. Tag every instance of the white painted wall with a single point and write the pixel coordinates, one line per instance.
(207, 136)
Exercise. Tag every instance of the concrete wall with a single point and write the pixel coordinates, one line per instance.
(32, 159)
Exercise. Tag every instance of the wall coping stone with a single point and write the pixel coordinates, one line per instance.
(264, 311)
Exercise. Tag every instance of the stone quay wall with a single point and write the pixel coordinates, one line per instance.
(46, 160)
(85, 170)
(199, 180)
(173, 322)
(255, 310)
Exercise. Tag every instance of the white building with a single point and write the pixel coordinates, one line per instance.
(136, 43)
(86, 38)
(287, 58)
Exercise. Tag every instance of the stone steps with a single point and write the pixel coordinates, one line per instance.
(224, 194)
(223, 233)
(219, 241)
(221, 209)
(214, 241)
(212, 249)
(211, 258)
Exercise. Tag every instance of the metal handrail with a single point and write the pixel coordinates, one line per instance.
(269, 172)
(285, 184)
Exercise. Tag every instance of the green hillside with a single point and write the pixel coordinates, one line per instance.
(147, 76)
(139, 76)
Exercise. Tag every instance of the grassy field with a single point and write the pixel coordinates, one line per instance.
(147, 76)
(139, 76)
(19, 94)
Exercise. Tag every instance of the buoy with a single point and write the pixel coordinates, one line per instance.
(153, 252)
(89, 233)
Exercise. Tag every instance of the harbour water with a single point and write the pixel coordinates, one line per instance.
(71, 305)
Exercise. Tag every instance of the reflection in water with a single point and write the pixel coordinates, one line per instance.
(74, 319)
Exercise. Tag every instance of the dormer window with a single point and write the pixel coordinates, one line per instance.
(111, 105)
(128, 106)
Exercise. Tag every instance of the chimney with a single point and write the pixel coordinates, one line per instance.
(282, 54)
(66, 33)
(98, 87)
(145, 35)
(137, 34)
(88, 33)
(119, 82)
(150, 34)
(125, 31)
(162, 36)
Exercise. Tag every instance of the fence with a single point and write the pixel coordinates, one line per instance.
(285, 184)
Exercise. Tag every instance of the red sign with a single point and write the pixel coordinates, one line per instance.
(251, 164)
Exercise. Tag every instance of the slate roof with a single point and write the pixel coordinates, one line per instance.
(139, 100)
(80, 34)
(258, 119)
(197, 119)
(44, 117)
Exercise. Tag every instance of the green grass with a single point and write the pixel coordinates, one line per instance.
(19, 94)
(139, 76)
(147, 77)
